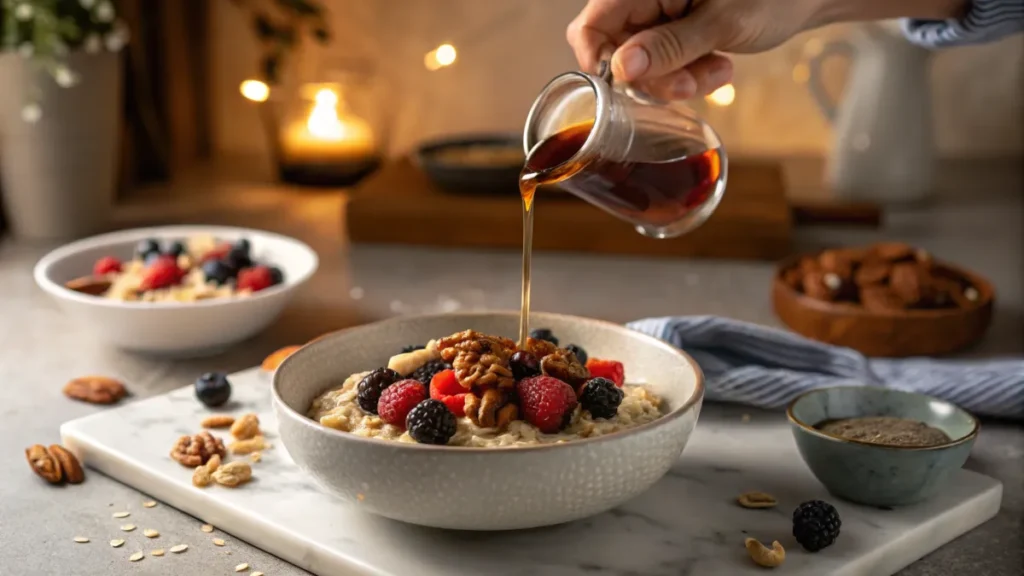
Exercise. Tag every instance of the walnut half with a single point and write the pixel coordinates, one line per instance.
(479, 359)
(196, 450)
(564, 365)
(491, 410)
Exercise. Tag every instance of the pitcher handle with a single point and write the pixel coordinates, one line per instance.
(825, 102)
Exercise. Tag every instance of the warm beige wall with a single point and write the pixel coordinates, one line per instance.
(979, 99)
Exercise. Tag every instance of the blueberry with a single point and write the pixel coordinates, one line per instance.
(276, 275)
(580, 353)
(242, 244)
(146, 247)
(524, 365)
(217, 272)
(544, 334)
(238, 258)
(213, 389)
(174, 249)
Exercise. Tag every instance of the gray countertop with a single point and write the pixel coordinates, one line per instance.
(40, 350)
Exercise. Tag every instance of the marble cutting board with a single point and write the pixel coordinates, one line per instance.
(686, 524)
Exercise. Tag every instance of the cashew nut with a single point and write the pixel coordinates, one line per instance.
(756, 500)
(764, 556)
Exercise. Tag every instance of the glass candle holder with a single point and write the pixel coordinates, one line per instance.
(324, 141)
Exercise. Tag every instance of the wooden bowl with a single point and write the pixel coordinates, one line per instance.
(893, 334)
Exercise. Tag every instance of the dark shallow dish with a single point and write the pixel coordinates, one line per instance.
(473, 164)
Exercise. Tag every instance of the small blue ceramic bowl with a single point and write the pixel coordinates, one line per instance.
(879, 474)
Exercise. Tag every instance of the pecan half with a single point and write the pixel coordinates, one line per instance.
(911, 283)
(479, 359)
(872, 272)
(564, 365)
(89, 285)
(44, 464)
(95, 389)
(196, 450)
(822, 285)
(73, 473)
(893, 251)
(838, 263)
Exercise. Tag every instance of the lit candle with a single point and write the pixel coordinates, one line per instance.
(327, 137)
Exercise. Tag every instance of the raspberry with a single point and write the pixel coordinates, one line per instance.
(398, 399)
(446, 388)
(547, 402)
(163, 272)
(106, 265)
(609, 369)
(430, 422)
(256, 278)
(219, 252)
(601, 397)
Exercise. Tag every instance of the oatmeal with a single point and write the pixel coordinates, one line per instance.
(197, 268)
(420, 397)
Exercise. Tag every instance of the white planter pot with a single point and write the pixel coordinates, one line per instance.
(59, 174)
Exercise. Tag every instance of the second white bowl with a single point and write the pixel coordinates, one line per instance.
(174, 329)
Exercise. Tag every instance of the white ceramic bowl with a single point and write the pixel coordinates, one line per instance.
(485, 488)
(174, 329)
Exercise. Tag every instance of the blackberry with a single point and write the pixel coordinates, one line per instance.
(427, 372)
(524, 365)
(213, 389)
(412, 348)
(430, 422)
(238, 258)
(601, 397)
(372, 385)
(276, 275)
(544, 334)
(242, 244)
(816, 525)
(580, 353)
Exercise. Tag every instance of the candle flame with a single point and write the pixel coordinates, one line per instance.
(255, 90)
(323, 121)
(724, 96)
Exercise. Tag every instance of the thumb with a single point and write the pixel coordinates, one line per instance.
(663, 49)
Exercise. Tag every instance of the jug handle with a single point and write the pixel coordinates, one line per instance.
(825, 102)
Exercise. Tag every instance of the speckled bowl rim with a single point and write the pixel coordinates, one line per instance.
(676, 413)
(41, 270)
(815, 432)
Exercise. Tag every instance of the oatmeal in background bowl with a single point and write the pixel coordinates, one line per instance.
(176, 291)
(479, 390)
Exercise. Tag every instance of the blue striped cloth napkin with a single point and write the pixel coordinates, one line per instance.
(764, 367)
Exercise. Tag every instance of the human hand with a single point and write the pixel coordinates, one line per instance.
(673, 56)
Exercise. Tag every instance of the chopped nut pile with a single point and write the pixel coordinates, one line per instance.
(881, 277)
(196, 450)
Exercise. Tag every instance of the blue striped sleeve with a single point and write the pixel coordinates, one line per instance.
(985, 21)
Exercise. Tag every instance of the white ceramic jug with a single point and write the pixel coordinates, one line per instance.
(883, 149)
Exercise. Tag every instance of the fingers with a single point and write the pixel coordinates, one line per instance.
(700, 78)
(661, 50)
(604, 24)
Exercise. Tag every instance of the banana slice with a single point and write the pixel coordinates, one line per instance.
(406, 364)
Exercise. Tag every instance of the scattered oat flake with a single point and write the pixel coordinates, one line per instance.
(128, 527)
(242, 567)
(81, 539)
(158, 552)
(255, 456)
(218, 542)
(121, 514)
(149, 503)
(137, 556)
(206, 528)
(179, 548)
(116, 543)
(257, 573)
(150, 533)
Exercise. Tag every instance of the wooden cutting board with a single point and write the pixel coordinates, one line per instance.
(400, 205)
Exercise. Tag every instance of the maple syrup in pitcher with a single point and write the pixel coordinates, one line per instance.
(652, 164)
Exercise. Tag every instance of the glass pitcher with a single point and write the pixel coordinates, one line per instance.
(653, 164)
